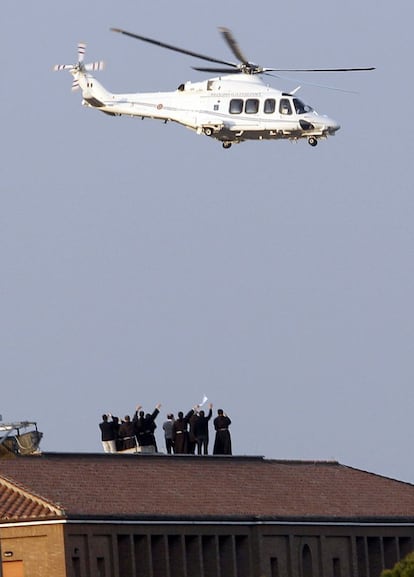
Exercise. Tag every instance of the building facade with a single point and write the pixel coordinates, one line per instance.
(169, 516)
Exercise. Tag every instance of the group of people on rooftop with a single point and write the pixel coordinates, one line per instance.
(186, 434)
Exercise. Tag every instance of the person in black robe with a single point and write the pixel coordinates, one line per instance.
(222, 442)
(192, 440)
(116, 423)
(180, 432)
(201, 431)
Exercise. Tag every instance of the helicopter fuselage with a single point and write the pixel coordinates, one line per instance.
(230, 108)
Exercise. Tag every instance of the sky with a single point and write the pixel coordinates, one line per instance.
(142, 263)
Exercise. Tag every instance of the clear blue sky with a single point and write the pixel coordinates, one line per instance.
(142, 263)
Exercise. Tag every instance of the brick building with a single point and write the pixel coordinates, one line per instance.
(90, 515)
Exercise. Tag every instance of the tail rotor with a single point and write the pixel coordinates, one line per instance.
(76, 69)
(81, 52)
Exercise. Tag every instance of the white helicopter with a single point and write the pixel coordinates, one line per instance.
(234, 107)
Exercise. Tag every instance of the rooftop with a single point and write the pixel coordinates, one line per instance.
(162, 487)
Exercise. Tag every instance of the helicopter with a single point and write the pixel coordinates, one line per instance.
(233, 107)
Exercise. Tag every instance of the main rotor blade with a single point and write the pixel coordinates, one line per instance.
(218, 70)
(175, 48)
(302, 82)
(359, 69)
(234, 47)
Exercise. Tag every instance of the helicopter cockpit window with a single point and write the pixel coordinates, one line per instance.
(285, 106)
(301, 107)
(269, 106)
(251, 106)
(236, 106)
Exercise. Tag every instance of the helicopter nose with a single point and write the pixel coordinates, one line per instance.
(332, 125)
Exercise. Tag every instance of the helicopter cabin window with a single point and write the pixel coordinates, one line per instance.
(236, 106)
(285, 106)
(269, 106)
(301, 107)
(251, 106)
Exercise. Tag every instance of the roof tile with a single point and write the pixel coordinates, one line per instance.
(18, 504)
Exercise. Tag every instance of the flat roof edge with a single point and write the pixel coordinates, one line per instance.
(398, 522)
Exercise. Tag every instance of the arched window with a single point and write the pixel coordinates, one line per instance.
(307, 568)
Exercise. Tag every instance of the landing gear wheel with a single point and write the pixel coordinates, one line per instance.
(208, 131)
(226, 144)
(312, 141)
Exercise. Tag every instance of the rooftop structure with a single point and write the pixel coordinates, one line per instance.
(189, 516)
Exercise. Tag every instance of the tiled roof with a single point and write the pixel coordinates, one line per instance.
(18, 504)
(190, 487)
